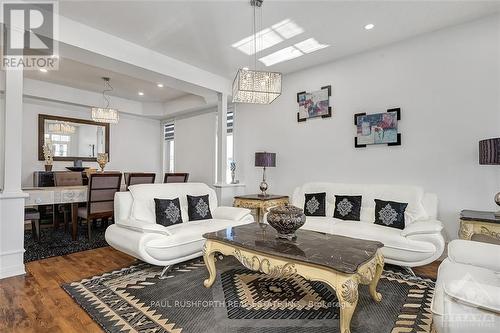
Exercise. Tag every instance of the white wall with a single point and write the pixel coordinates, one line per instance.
(195, 147)
(448, 86)
(2, 138)
(135, 143)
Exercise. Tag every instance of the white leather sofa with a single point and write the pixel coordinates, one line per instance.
(420, 243)
(467, 294)
(136, 233)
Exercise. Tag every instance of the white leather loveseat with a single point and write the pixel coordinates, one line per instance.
(467, 294)
(421, 241)
(136, 233)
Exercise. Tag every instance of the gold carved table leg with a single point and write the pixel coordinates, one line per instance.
(344, 285)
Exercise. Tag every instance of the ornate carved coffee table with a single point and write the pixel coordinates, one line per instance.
(340, 262)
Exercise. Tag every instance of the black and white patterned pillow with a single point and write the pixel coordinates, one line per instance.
(168, 211)
(315, 204)
(390, 213)
(347, 207)
(198, 207)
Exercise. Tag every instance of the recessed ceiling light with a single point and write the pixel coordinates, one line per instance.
(369, 26)
(141, 93)
(43, 70)
(160, 85)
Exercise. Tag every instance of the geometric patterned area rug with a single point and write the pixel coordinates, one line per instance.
(134, 299)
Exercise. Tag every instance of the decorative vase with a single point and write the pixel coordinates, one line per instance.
(48, 167)
(102, 159)
(286, 220)
(232, 167)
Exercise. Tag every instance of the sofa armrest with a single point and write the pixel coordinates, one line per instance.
(475, 253)
(474, 294)
(422, 227)
(143, 227)
(230, 213)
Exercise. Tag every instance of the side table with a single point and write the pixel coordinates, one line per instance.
(260, 203)
(479, 223)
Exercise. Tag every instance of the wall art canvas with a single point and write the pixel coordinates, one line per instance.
(378, 128)
(314, 104)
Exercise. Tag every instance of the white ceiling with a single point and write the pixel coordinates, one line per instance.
(201, 33)
(82, 76)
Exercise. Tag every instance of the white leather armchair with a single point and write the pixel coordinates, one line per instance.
(136, 233)
(467, 294)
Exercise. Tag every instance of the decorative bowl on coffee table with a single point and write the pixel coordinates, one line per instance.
(286, 220)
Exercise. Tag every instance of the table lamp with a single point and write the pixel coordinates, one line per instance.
(265, 160)
(489, 154)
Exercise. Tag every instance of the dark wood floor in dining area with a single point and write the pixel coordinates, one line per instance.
(36, 302)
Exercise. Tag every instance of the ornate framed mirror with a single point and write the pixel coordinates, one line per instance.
(72, 139)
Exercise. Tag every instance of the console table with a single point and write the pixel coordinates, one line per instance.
(260, 203)
(341, 262)
(479, 223)
(58, 195)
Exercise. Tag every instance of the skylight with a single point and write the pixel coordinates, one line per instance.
(288, 53)
(285, 54)
(287, 29)
(310, 45)
(269, 37)
(265, 39)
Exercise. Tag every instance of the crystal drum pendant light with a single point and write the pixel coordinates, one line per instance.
(253, 86)
(105, 114)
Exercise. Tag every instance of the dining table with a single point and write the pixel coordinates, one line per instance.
(58, 195)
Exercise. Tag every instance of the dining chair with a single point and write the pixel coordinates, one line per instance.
(178, 177)
(134, 178)
(63, 178)
(101, 195)
(33, 215)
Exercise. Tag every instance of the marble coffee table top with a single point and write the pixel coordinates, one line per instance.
(343, 254)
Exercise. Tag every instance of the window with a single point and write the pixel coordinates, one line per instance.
(59, 144)
(168, 134)
(229, 143)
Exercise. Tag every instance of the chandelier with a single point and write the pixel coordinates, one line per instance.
(61, 128)
(105, 114)
(254, 86)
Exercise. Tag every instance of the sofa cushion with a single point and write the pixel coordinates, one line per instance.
(315, 204)
(413, 195)
(168, 211)
(347, 207)
(471, 285)
(198, 207)
(186, 238)
(390, 213)
(143, 206)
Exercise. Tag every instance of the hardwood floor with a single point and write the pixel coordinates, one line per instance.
(37, 303)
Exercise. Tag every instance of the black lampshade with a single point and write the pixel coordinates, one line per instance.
(489, 151)
(263, 159)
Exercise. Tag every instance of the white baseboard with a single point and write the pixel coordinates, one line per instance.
(11, 263)
(6, 272)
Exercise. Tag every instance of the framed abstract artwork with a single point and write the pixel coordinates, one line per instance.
(377, 128)
(314, 104)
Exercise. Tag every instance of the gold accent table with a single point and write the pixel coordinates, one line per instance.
(479, 223)
(341, 262)
(260, 203)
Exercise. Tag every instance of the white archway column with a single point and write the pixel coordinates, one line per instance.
(12, 197)
(221, 138)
